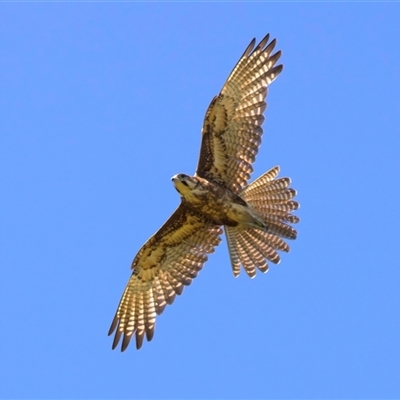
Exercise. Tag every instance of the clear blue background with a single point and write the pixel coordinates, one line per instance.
(101, 104)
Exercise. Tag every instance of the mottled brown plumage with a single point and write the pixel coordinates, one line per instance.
(256, 217)
(232, 126)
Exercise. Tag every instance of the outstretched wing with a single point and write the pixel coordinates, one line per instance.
(232, 130)
(170, 259)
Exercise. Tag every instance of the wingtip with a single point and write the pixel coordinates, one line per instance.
(249, 48)
(116, 339)
(125, 342)
(277, 69)
(114, 324)
(139, 339)
(150, 333)
(263, 42)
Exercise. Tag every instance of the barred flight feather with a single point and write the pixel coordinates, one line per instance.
(261, 246)
(255, 248)
(270, 199)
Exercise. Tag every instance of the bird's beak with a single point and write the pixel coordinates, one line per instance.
(174, 178)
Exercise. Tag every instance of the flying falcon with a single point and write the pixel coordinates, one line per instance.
(255, 216)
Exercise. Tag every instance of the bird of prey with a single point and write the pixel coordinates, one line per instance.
(255, 216)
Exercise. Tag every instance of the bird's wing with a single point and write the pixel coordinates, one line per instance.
(170, 259)
(231, 133)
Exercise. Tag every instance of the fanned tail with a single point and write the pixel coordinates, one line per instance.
(272, 200)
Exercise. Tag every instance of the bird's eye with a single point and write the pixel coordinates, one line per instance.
(185, 183)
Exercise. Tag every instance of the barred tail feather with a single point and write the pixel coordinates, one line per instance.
(272, 200)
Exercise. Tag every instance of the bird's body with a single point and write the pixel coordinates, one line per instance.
(255, 216)
(220, 205)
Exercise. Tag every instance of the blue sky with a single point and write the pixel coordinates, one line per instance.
(101, 104)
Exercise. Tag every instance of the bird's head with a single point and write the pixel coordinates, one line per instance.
(184, 184)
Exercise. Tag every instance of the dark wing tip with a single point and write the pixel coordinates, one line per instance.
(116, 339)
(125, 342)
(260, 47)
(139, 339)
(276, 56)
(149, 333)
(249, 48)
(113, 326)
(118, 333)
(170, 299)
(160, 308)
(272, 44)
(179, 289)
(274, 72)
(278, 69)
(263, 42)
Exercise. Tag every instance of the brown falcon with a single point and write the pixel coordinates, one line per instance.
(255, 217)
